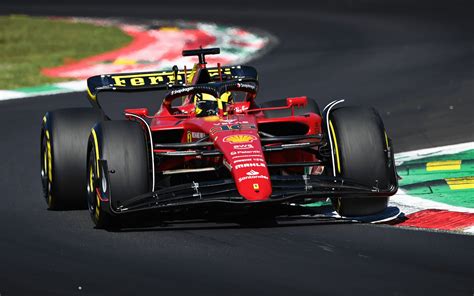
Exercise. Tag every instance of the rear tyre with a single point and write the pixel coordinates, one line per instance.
(64, 135)
(118, 169)
(311, 107)
(362, 154)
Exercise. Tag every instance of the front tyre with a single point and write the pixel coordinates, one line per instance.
(63, 150)
(118, 169)
(362, 153)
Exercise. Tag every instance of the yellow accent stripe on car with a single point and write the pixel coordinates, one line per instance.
(44, 119)
(189, 137)
(140, 75)
(335, 145)
(191, 74)
(96, 146)
(386, 139)
(443, 165)
(91, 95)
(460, 183)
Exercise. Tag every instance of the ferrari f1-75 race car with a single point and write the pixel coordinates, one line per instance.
(211, 147)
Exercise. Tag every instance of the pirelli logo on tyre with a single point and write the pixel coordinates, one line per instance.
(239, 139)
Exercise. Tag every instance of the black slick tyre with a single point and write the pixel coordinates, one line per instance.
(118, 169)
(362, 154)
(64, 135)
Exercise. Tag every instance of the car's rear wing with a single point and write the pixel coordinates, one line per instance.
(161, 80)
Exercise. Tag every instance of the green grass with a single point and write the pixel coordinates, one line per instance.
(28, 44)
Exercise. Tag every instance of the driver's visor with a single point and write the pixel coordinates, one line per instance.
(222, 102)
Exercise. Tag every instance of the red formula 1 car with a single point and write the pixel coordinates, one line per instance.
(218, 151)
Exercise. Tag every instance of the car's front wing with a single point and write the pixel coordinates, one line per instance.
(286, 189)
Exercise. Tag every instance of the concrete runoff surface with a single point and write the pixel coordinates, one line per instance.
(412, 61)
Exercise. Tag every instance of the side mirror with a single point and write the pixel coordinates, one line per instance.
(142, 112)
(296, 102)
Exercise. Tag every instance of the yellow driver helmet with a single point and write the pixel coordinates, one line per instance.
(208, 105)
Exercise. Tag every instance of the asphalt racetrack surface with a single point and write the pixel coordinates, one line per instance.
(412, 60)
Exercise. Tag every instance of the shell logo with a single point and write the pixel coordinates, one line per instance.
(237, 139)
(211, 118)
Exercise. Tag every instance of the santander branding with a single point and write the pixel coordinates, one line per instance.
(253, 178)
(252, 173)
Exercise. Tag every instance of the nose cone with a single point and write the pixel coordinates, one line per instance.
(253, 185)
(244, 158)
